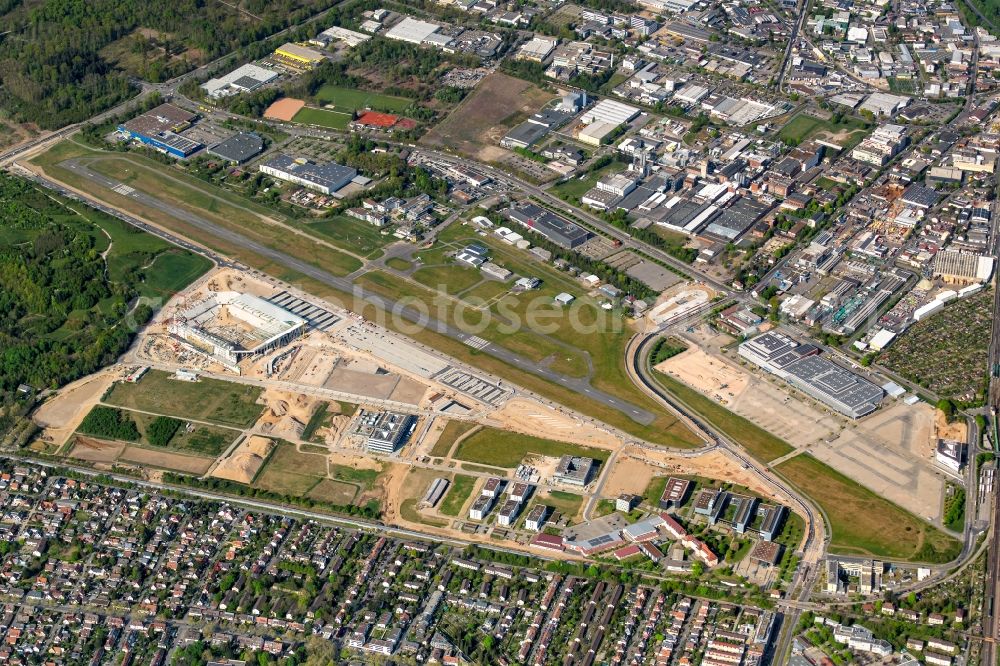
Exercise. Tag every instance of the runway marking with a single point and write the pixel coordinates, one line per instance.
(476, 342)
(124, 189)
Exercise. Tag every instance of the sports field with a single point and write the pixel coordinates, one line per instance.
(225, 403)
(323, 118)
(351, 99)
(492, 446)
(863, 523)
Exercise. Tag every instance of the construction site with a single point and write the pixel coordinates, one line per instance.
(282, 393)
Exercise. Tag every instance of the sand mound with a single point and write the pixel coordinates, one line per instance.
(243, 464)
(279, 408)
(957, 430)
(336, 428)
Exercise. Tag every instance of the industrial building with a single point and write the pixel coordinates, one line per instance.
(881, 145)
(538, 49)
(390, 432)
(435, 492)
(535, 128)
(243, 79)
(802, 367)
(560, 231)
(159, 129)
(229, 326)
(963, 268)
(413, 31)
(324, 178)
(298, 56)
(574, 470)
(610, 111)
(239, 148)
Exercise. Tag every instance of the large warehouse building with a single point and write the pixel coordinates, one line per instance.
(230, 326)
(324, 178)
(158, 128)
(558, 230)
(802, 367)
(245, 78)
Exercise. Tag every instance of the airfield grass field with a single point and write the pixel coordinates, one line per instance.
(212, 400)
(165, 268)
(354, 235)
(225, 209)
(500, 448)
(863, 523)
(559, 349)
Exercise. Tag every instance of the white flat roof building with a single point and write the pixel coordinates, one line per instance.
(594, 133)
(610, 111)
(349, 37)
(538, 49)
(245, 78)
(412, 30)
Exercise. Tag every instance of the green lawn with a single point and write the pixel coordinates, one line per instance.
(351, 99)
(451, 432)
(803, 126)
(172, 271)
(492, 446)
(864, 523)
(574, 188)
(351, 234)
(568, 504)
(289, 472)
(225, 403)
(800, 127)
(194, 439)
(323, 118)
(458, 492)
(365, 478)
(758, 442)
(448, 279)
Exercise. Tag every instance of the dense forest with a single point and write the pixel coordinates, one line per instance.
(62, 61)
(67, 295)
